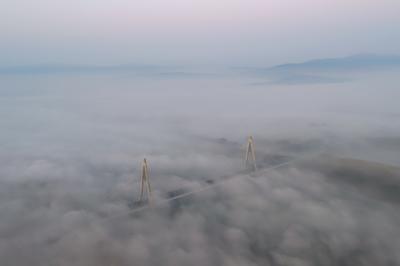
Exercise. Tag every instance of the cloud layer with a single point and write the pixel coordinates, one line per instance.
(302, 214)
(69, 167)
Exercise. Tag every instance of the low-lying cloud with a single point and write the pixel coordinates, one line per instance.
(69, 180)
(297, 215)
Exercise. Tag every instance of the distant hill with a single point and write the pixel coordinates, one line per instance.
(58, 68)
(327, 70)
(131, 69)
(356, 62)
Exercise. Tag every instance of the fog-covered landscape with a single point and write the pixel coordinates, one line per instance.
(199, 132)
(72, 144)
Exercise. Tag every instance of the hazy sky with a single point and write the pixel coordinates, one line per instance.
(235, 32)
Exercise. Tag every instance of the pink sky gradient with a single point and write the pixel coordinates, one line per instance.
(194, 30)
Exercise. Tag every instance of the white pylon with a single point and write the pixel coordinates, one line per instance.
(145, 182)
(250, 154)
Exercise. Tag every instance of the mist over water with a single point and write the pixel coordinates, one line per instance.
(71, 147)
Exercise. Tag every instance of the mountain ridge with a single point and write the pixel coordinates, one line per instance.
(352, 61)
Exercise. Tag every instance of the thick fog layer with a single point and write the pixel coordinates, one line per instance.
(71, 147)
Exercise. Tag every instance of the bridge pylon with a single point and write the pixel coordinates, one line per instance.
(145, 182)
(250, 158)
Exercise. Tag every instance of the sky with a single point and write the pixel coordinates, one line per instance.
(195, 32)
